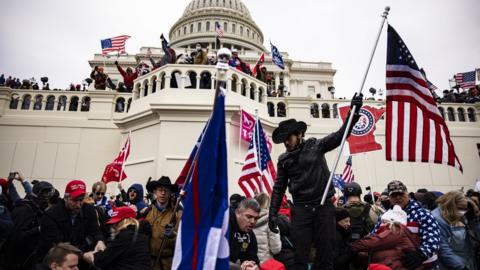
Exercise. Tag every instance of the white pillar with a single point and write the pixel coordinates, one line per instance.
(158, 85)
(198, 82)
(150, 88)
(256, 95)
(167, 82)
(277, 81)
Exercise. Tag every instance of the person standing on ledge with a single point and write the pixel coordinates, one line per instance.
(304, 170)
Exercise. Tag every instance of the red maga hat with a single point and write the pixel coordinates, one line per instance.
(121, 213)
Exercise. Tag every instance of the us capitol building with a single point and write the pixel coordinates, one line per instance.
(63, 135)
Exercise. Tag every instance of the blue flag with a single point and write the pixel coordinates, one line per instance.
(338, 182)
(277, 57)
(202, 241)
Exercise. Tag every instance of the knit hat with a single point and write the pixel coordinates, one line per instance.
(341, 213)
(396, 215)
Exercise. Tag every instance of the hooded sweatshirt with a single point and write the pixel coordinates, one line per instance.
(138, 201)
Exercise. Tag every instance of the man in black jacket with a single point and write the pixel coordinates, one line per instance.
(243, 243)
(304, 170)
(26, 215)
(71, 221)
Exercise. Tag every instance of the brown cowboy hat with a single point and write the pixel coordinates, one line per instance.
(287, 128)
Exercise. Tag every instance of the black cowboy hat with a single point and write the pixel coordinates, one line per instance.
(287, 128)
(164, 181)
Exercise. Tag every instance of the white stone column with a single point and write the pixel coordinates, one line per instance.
(229, 84)
(142, 89)
(239, 87)
(158, 85)
(264, 97)
(277, 82)
(198, 82)
(150, 88)
(167, 82)
(256, 94)
(286, 82)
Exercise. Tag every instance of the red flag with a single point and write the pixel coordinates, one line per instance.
(114, 171)
(362, 138)
(247, 124)
(259, 63)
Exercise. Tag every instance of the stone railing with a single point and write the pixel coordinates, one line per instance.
(22, 100)
(327, 108)
(200, 77)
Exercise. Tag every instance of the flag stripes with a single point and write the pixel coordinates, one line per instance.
(114, 44)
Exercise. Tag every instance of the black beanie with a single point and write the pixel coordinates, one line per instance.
(341, 213)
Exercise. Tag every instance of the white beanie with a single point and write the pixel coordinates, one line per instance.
(396, 215)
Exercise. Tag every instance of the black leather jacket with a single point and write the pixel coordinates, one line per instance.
(305, 171)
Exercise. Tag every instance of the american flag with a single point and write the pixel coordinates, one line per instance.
(219, 29)
(415, 129)
(114, 44)
(347, 175)
(258, 172)
(465, 80)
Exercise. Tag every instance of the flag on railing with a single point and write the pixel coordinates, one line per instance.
(219, 29)
(465, 80)
(202, 235)
(362, 139)
(277, 57)
(258, 65)
(114, 171)
(258, 172)
(347, 175)
(114, 44)
(415, 129)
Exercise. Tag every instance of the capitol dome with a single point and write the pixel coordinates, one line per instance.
(197, 24)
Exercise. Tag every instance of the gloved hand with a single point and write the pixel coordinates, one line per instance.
(169, 231)
(357, 101)
(116, 63)
(412, 259)
(272, 223)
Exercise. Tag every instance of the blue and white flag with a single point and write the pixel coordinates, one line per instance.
(202, 241)
(338, 182)
(277, 57)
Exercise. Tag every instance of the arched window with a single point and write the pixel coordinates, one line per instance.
(73, 104)
(208, 26)
(248, 32)
(260, 94)
(14, 101)
(314, 111)
(234, 83)
(145, 88)
(205, 80)
(461, 114)
(184, 30)
(199, 27)
(175, 79)
(271, 109)
(241, 30)
(192, 78)
(129, 102)
(234, 28)
(154, 84)
(178, 32)
(50, 103)
(325, 110)
(26, 102)
(450, 115)
(335, 110)
(85, 106)
(471, 115)
(252, 91)
(162, 81)
(62, 103)
(191, 28)
(38, 102)
(225, 27)
(281, 110)
(244, 87)
(120, 105)
(442, 111)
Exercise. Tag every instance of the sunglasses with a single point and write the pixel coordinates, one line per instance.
(99, 193)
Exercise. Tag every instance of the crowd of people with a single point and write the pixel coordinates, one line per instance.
(471, 95)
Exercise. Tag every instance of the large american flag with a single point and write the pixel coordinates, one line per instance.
(114, 44)
(348, 176)
(258, 172)
(465, 80)
(415, 129)
(219, 29)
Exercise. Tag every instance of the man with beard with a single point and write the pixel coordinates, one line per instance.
(303, 169)
(71, 220)
(26, 214)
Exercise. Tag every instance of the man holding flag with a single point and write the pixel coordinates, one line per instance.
(304, 170)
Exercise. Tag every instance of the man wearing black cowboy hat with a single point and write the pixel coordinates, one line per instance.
(159, 216)
(304, 170)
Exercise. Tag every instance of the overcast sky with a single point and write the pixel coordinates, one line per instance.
(56, 38)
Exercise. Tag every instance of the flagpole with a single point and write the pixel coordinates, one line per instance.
(223, 56)
(349, 122)
(124, 157)
(257, 147)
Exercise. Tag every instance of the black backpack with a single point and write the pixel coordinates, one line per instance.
(359, 226)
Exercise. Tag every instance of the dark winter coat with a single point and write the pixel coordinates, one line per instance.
(305, 170)
(388, 247)
(56, 227)
(138, 201)
(128, 251)
(342, 253)
(243, 246)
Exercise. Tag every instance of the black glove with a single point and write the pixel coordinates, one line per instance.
(116, 63)
(169, 231)
(357, 101)
(412, 259)
(272, 223)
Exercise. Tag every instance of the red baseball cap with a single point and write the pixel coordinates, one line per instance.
(121, 213)
(76, 188)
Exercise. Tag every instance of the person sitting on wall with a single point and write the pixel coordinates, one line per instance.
(99, 77)
(128, 77)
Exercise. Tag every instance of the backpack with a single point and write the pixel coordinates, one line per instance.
(359, 224)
